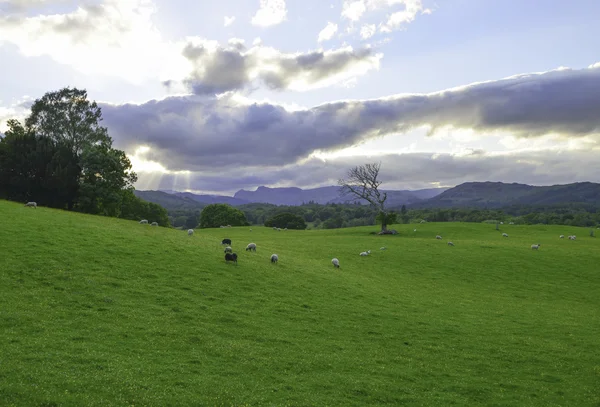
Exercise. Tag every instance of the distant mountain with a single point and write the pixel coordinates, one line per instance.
(499, 194)
(325, 195)
(168, 201)
(212, 199)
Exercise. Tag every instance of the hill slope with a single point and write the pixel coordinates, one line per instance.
(103, 311)
(499, 194)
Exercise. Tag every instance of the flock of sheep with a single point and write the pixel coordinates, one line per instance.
(231, 256)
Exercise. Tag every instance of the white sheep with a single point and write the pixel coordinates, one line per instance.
(383, 248)
(190, 232)
(573, 237)
(154, 224)
(502, 223)
(144, 222)
(32, 204)
(365, 253)
(505, 234)
(450, 244)
(228, 249)
(335, 262)
(561, 237)
(438, 237)
(251, 247)
(415, 230)
(274, 258)
(535, 246)
(274, 227)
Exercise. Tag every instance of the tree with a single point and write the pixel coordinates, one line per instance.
(361, 181)
(286, 220)
(215, 215)
(67, 115)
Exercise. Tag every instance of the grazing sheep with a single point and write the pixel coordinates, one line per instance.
(502, 223)
(573, 237)
(511, 223)
(190, 232)
(505, 234)
(383, 248)
(561, 237)
(32, 204)
(279, 229)
(250, 230)
(274, 227)
(415, 230)
(228, 249)
(274, 258)
(535, 246)
(226, 241)
(251, 247)
(144, 222)
(438, 237)
(335, 262)
(450, 244)
(154, 224)
(231, 257)
(222, 227)
(365, 253)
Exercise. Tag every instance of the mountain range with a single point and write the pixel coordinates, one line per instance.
(466, 195)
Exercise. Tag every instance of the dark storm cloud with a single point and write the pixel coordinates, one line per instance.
(201, 133)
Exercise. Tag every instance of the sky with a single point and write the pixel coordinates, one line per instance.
(216, 96)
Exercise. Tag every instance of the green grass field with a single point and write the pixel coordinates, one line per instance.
(98, 311)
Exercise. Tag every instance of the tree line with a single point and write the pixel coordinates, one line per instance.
(61, 157)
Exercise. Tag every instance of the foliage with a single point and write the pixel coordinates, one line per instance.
(215, 215)
(63, 158)
(286, 220)
(487, 322)
(134, 208)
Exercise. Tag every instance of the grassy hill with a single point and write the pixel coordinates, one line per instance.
(103, 311)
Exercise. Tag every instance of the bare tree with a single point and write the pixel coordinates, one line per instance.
(362, 182)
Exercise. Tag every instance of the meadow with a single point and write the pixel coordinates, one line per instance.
(98, 311)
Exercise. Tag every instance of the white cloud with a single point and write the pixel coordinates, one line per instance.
(271, 12)
(115, 38)
(327, 32)
(353, 9)
(367, 31)
(227, 21)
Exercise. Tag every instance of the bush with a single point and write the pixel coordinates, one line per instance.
(286, 220)
(215, 215)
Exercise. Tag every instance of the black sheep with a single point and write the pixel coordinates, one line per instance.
(226, 241)
(231, 257)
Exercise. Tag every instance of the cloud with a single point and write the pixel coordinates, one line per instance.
(271, 12)
(355, 10)
(227, 21)
(217, 69)
(113, 37)
(212, 134)
(367, 31)
(327, 32)
(399, 171)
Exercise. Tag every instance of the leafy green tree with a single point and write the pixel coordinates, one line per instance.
(191, 222)
(215, 215)
(67, 115)
(106, 172)
(286, 220)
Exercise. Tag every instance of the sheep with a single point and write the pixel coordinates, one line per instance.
(335, 262)
(383, 248)
(274, 227)
(561, 237)
(505, 234)
(154, 224)
(274, 258)
(535, 246)
(144, 222)
(573, 237)
(450, 244)
(279, 229)
(251, 247)
(250, 229)
(511, 223)
(190, 232)
(32, 204)
(502, 223)
(228, 249)
(231, 257)
(226, 241)
(365, 253)
(438, 237)
(415, 230)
